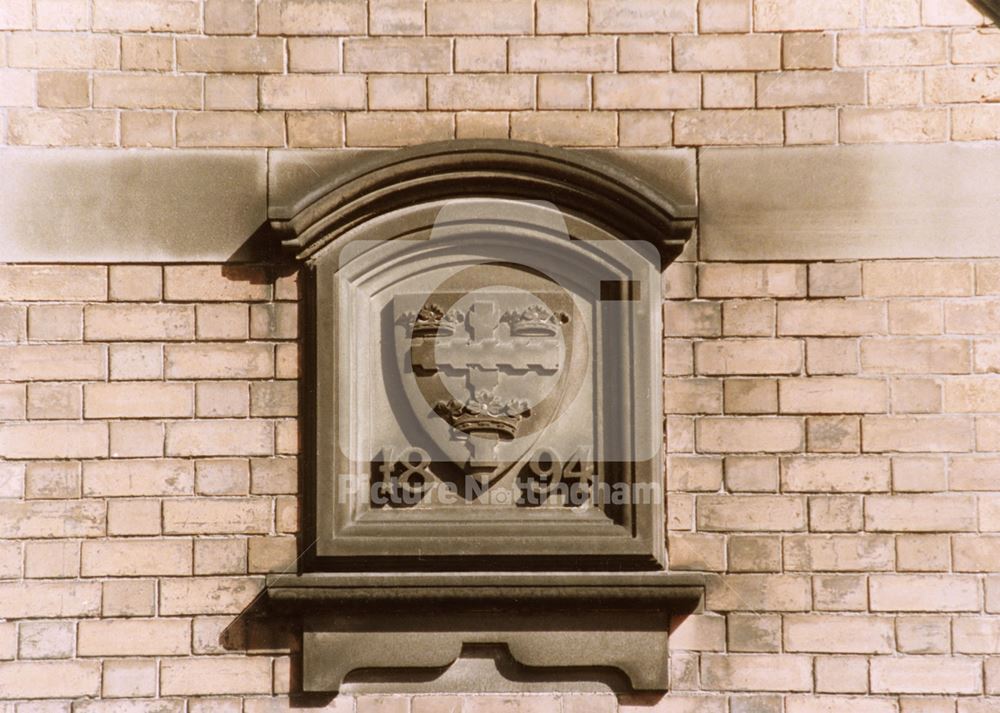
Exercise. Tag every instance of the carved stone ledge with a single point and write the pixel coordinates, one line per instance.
(376, 624)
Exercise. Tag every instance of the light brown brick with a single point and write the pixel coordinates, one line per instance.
(55, 89)
(46, 640)
(749, 435)
(53, 282)
(315, 129)
(136, 439)
(833, 395)
(51, 560)
(949, 12)
(760, 513)
(916, 317)
(147, 128)
(893, 125)
(909, 49)
(220, 556)
(974, 473)
(470, 17)
(929, 593)
(810, 88)
(135, 557)
(975, 123)
(231, 516)
(230, 17)
(640, 53)
(152, 53)
(277, 320)
(135, 637)
(138, 400)
(694, 473)
(727, 52)
(53, 440)
(748, 318)
(830, 633)
(220, 438)
(53, 362)
(32, 599)
(835, 474)
(751, 396)
(972, 395)
(916, 434)
(230, 54)
(646, 91)
(920, 513)
(237, 129)
(134, 517)
(754, 280)
(480, 91)
(839, 553)
(807, 50)
(27, 127)
(399, 92)
(231, 91)
(976, 635)
(918, 473)
(563, 91)
(756, 672)
(147, 91)
(16, 15)
(922, 674)
(219, 361)
(975, 47)
(832, 318)
(748, 356)
(216, 675)
(751, 473)
(728, 90)
(53, 401)
(121, 322)
(961, 84)
(222, 399)
(214, 283)
(395, 17)
(50, 679)
(724, 15)
(55, 323)
(754, 553)
(51, 519)
(772, 15)
(835, 514)
(398, 128)
(306, 91)
(840, 674)
(981, 317)
(895, 87)
(562, 54)
(565, 128)
(129, 597)
(835, 279)
(975, 553)
(727, 127)
(303, 17)
(124, 678)
(40, 50)
(641, 16)
(403, 54)
(892, 13)
(138, 478)
(271, 554)
(207, 595)
(923, 553)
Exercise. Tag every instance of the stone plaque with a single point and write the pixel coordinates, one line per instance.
(484, 377)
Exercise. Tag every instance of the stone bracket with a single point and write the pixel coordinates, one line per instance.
(385, 623)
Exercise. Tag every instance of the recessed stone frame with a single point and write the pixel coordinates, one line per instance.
(402, 194)
(389, 253)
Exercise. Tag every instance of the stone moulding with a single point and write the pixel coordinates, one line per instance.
(605, 194)
(563, 589)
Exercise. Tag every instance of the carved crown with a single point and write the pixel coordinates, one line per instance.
(432, 321)
(535, 321)
(485, 414)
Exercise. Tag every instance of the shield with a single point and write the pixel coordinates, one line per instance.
(486, 370)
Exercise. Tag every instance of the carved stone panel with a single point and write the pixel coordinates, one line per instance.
(484, 395)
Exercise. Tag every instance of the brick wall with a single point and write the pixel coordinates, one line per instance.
(834, 437)
(303, 73)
